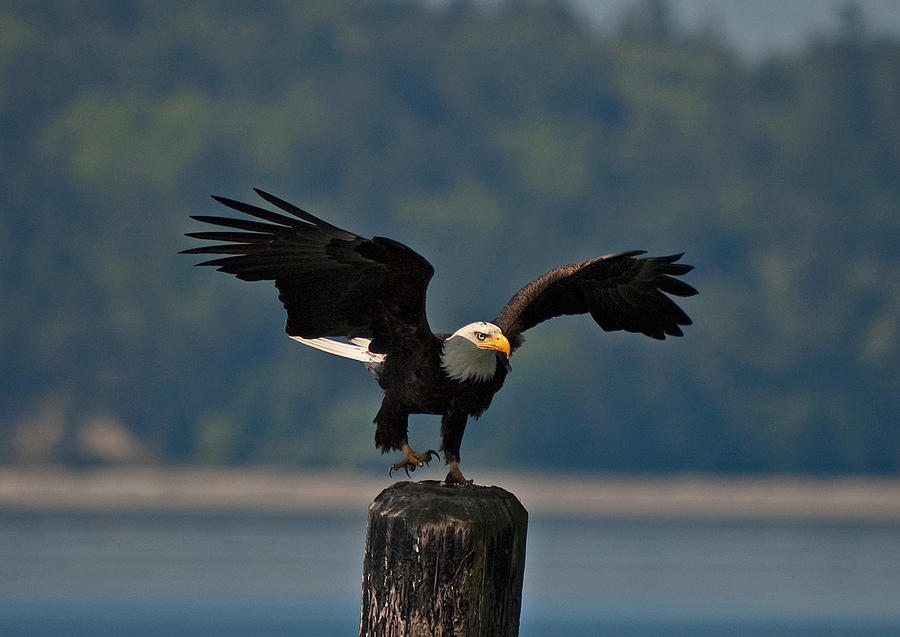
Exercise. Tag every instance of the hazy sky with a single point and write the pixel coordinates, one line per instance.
(758, 27)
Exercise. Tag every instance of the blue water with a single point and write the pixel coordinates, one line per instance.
(79, 574)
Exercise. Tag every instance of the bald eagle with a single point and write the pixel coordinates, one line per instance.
(364, 299)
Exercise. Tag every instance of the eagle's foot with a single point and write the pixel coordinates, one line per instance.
(412, 460)
(455, 476)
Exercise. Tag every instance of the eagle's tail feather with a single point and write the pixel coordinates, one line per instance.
(357, 348)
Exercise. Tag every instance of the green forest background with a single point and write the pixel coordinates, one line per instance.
(498, 140)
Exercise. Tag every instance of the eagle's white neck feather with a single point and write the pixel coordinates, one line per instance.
(462, 359)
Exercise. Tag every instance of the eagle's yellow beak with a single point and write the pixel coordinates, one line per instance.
(496, 342)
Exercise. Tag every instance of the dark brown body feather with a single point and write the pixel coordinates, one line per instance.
(334, 283)
(415, 383)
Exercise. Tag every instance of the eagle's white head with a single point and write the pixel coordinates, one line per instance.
(470, 353)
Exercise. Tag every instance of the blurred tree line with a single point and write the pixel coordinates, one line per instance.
(497, 139)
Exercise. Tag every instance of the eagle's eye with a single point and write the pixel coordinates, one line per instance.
(480, 336)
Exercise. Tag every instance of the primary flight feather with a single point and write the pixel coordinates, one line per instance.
(364, 299)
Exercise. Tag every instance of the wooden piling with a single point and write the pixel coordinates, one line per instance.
(443, 561)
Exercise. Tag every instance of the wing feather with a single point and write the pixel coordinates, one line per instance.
(332, 282)
(228, 222)
(256, 211)
(621, 291)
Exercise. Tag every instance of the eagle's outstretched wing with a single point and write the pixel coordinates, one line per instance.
(620, 291)
(331, 282)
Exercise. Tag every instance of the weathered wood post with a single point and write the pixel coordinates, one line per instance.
(443, 561)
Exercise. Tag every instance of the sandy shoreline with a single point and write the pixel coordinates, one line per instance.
(200, 490)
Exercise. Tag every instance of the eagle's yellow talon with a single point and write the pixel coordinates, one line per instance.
(456, 477)
(412, 459)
